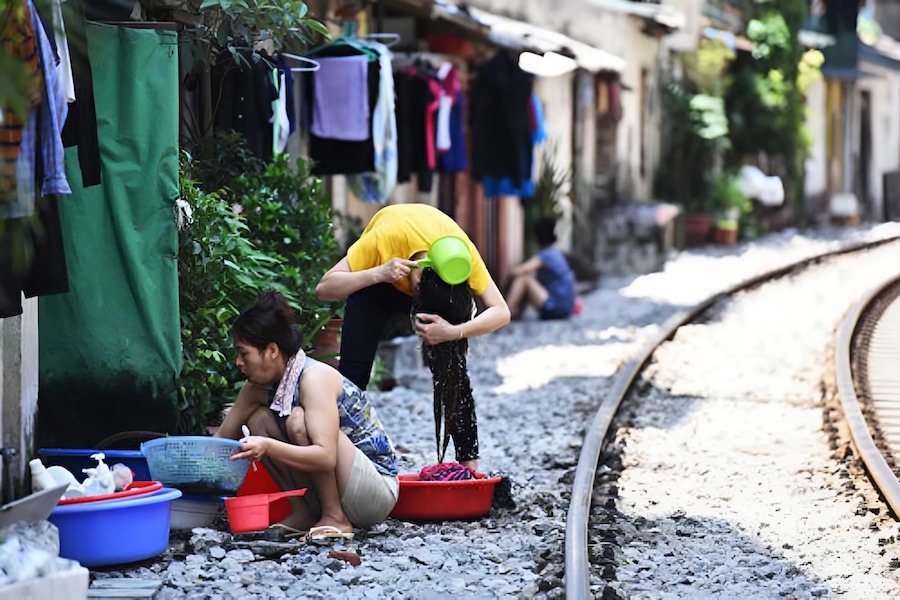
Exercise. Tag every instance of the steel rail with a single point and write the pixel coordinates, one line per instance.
(872, 457)
(577, 565)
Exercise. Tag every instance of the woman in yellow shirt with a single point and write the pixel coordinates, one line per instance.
(379, 277)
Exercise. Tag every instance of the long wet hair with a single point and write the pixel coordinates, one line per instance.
(447, 362)
(269, 319)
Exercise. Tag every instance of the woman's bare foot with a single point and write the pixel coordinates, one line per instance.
(294, 521)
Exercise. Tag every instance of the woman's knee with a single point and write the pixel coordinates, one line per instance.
(296, 427)
(262, 422)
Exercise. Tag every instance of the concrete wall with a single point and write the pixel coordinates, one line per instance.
(18, 393)
(641, 115)
(884, 91)
(816, 180)
(555, 94)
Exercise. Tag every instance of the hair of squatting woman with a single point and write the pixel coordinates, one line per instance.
(454, 405)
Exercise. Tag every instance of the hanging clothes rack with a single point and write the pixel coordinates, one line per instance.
(313, 64)
(347, 38)
(388, 39)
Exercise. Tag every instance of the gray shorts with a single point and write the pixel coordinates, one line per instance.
(370, 496)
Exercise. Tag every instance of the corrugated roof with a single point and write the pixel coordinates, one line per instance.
(525, 36)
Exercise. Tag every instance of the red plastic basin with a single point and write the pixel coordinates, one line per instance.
(444, 500)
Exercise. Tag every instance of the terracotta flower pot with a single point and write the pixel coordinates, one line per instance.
(327, 344)
(697, 228)
(725, 236)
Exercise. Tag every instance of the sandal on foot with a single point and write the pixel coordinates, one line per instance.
(324, 534)
(282, 531)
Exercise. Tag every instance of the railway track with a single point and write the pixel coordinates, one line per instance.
(579, 552)
(867, 355)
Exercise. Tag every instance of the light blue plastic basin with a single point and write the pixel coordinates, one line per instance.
(113, 532)
(196, 465)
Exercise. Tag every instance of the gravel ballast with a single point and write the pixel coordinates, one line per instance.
(537, 385)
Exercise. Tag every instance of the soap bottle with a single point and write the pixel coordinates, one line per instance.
(58, 476)
(99, 479)
(41, 479)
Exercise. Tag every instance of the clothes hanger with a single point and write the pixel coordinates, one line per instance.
(370, 54)
(348, 38)
(388, 39)
(314, 65)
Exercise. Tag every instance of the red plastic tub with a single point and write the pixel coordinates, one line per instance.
(444, 500)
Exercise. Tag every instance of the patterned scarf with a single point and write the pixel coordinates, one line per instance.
(284, 395)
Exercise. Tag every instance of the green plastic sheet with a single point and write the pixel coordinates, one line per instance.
(110, 348)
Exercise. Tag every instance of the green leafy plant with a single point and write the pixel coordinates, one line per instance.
(728, 198)
(697, 134)
(240, 23)
(290, 217)
(219, 270)
(269, 228)
(765, 99)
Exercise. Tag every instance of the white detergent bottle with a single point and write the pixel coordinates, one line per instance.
(40, 478)
(99, 479)
(58, 476)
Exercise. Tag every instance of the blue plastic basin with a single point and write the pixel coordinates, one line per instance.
(76, 459)
(113, 532)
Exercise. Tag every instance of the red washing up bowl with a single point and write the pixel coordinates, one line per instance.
(444, 500)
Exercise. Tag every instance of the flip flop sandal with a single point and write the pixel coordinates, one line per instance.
(282, 531)
(325, 534)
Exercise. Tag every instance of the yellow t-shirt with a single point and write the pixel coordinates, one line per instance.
(402, 230)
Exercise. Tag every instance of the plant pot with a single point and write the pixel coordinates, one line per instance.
(327, 344)
(697, 228)
(725, 236)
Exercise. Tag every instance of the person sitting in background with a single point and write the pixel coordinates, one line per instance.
(311, 427)
(544, 281)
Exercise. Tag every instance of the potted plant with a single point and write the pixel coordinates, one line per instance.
(730, 205)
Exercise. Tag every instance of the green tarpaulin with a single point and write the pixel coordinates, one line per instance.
(110, 349)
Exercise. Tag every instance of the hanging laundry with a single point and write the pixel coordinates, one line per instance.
(342, 157)
(290, 103)
(280, 120)
(66, 81)
(418, 93)
(378, 186)
(449, 87)
(18, 39)
(54, 111)
(341, 99)
(494, 187)
(539, 125)
(502, 139)
(81, 125)
(245, 90)
(454, 160)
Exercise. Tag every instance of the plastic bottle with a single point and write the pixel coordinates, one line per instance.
(99, 479)
(40, 478)
(122, 476)
(58, 476)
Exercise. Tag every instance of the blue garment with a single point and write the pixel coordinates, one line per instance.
(358, 422)
(540, 126)
(454, 160)
(557, 278)
(54, 111)
(494, 187)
